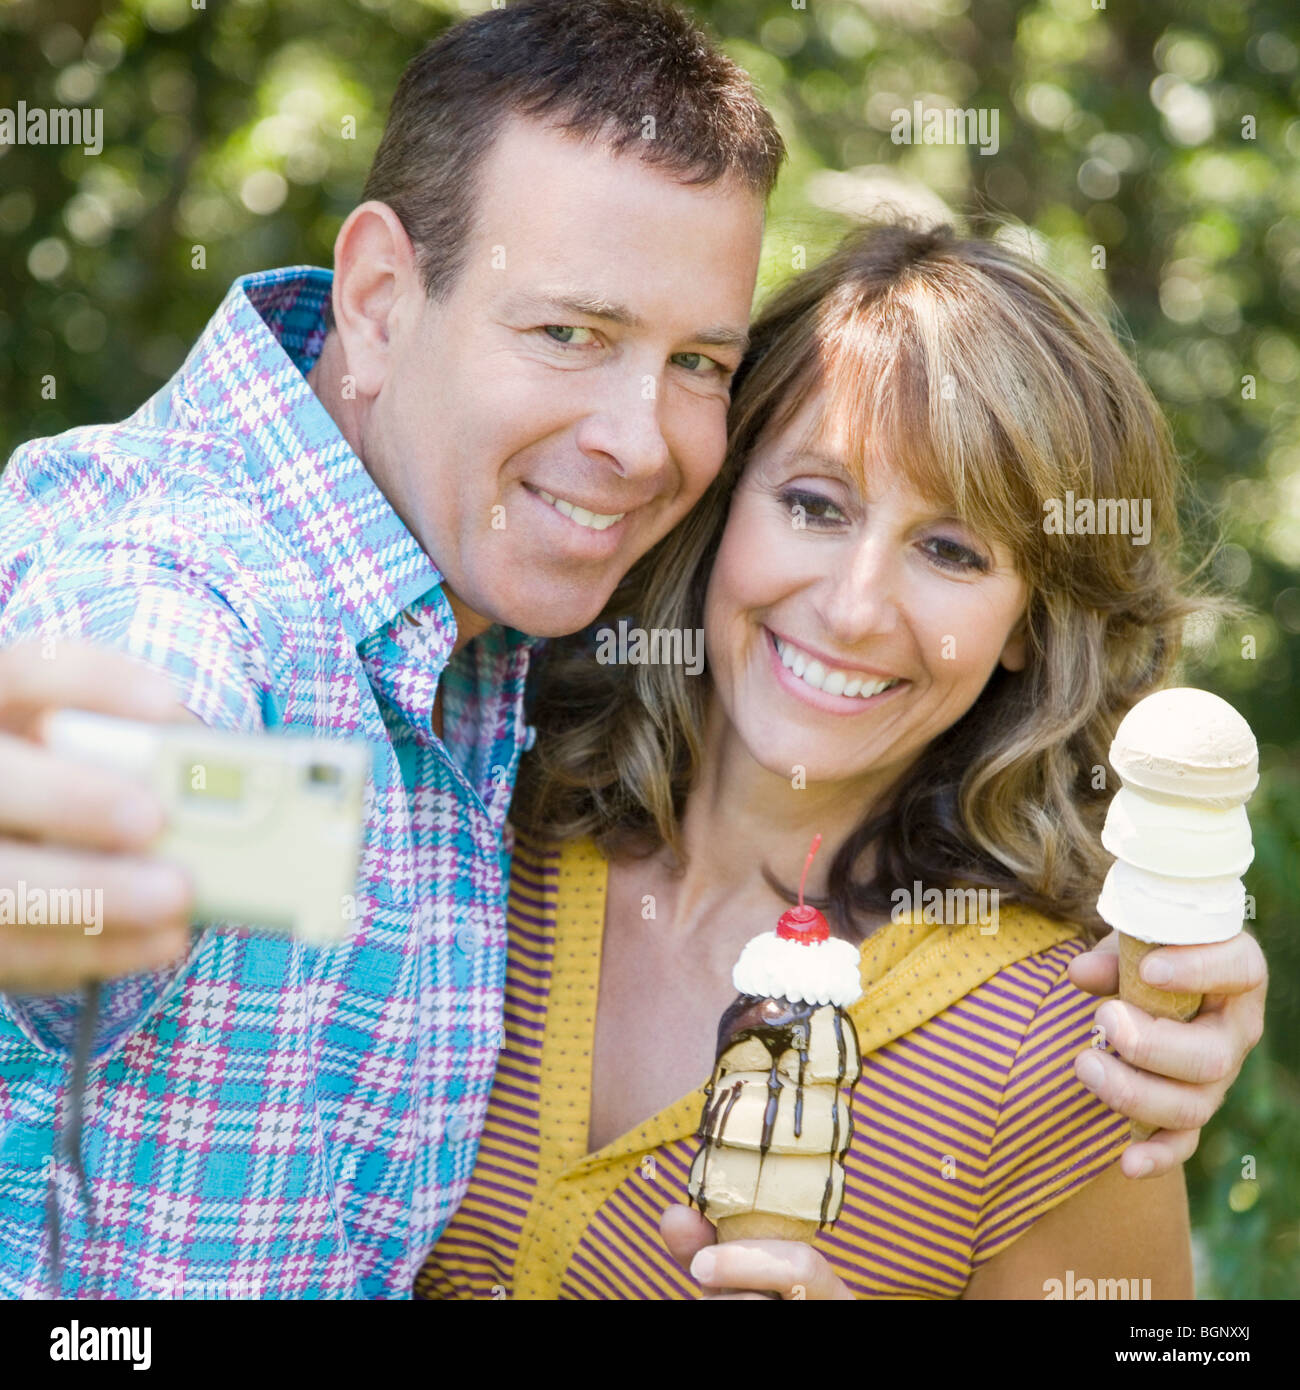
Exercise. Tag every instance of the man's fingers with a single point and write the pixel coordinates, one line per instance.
(1164, 1151)
(1152, 1100)
(88, 917)
(114, 891)
(44, 797)
(35, 964)
(685, 1232)
(1097, 971)
(1235, 966)
(36, 676)
(1202, 1051)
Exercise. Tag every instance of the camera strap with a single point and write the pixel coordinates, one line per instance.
(68, 1138)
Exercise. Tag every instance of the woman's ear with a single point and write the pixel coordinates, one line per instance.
(1013, 650)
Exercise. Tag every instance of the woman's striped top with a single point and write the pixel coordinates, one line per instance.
(968, 1121)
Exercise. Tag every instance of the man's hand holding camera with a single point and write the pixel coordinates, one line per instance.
(66, 828)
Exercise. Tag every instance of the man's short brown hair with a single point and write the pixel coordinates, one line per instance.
(629, 73)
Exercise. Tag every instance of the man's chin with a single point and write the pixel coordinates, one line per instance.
(538, 615)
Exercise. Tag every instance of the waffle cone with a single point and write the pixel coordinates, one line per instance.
(763, 1225)
(1159, 1003)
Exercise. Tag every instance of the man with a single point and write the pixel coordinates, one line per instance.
(353, 510)
(362, 531)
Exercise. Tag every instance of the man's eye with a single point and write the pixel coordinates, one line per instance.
(694, 361)
(564, 334)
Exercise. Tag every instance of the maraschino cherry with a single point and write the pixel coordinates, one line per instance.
(804, 923)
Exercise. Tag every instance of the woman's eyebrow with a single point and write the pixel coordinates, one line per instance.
(817, 456)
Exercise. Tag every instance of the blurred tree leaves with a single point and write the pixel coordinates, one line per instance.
(237, 136)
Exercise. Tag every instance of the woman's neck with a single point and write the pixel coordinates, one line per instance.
(739, 817)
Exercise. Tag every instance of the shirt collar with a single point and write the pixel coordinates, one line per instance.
(248, 371)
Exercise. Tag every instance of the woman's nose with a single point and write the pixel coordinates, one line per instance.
(860, 598)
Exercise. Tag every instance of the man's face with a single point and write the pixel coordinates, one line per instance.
(566, 406)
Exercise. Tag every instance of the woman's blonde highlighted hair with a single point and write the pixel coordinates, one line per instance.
(997, 392)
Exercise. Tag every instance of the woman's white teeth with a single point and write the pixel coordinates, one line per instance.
(594, 521)
(833, 681)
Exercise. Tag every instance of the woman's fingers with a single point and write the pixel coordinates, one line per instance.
(685, 1232)
(785, 1267)
(746, 1269)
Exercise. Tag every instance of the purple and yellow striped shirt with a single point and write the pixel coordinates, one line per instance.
(969, 1123)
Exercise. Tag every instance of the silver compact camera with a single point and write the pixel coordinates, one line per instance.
(269, 826)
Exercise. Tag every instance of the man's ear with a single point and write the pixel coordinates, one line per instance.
(1014, 649)
(375, 274)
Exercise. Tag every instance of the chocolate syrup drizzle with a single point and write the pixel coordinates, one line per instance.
(781, 1026)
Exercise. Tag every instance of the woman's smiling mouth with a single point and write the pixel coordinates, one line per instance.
(804, 672)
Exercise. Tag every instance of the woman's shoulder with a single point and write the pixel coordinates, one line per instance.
(545, 851)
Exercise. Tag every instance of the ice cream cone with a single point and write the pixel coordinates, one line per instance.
(777, 1121)
(1159, 1003)
(762, 1225)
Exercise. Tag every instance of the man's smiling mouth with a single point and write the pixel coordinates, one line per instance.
(593, 521)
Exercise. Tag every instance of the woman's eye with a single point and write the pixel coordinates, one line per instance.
(953, 555)
(811, 506)
(564, 334)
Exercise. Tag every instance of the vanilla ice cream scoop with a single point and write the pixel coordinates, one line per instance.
(1189, 744)
(1169, 911)
(1179, 839)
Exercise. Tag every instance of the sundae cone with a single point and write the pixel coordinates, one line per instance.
(762, 1225)
(777, 1122)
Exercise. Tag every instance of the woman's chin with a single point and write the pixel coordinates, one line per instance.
(779, 750)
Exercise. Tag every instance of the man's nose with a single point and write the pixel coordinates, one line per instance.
(626, 427)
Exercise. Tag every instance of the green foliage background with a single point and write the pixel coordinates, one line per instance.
(1166, 133)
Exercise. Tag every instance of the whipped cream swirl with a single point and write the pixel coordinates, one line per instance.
(817, 972)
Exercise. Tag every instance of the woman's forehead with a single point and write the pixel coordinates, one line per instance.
(869, 459)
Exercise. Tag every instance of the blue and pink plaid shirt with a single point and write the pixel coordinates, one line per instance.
(269, 1119)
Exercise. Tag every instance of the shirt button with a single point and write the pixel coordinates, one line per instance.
(530, 736)
(469, 938)
(457, 1127)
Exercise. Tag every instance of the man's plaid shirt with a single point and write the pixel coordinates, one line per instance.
(268, 1119)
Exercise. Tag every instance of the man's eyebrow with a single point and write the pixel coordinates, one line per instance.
(598, 307)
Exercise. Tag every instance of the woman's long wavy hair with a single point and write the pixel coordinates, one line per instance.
(997, 392)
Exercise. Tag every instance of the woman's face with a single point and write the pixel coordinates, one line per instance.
(845, 632)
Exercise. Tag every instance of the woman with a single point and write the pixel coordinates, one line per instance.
(900, 657)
